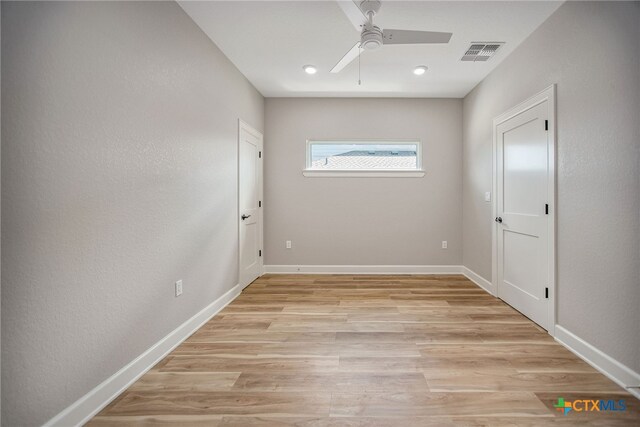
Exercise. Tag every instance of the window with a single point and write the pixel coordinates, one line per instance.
(364, 158)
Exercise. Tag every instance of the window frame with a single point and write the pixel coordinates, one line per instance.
(418, 172)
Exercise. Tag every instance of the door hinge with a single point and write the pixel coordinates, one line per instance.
(259, 154)
(259, 203)
(546, 125)
(260, 253)
(546, 293)
(546, 209)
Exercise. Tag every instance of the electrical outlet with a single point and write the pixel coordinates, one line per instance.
(444, 244)
(288, 244)
(179, 288)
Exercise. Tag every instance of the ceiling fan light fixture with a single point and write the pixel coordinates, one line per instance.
(371, 38)
(310, 69)
(420, 70)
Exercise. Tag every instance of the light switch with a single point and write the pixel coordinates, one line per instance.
(487, 196)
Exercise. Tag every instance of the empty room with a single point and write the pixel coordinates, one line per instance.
(320, 213)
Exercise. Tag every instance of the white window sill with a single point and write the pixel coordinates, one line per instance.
(315, 173)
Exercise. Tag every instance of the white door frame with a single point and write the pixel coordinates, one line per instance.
(242, 125)
(548, 94)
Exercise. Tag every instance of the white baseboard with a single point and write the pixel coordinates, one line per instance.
(479, 280)
(91, 403)
(619, 373)
(363, 269)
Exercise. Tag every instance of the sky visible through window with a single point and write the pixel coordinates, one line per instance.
(363, 156)
(321, 151)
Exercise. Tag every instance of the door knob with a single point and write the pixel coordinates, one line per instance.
(499, 219)
(245, 217)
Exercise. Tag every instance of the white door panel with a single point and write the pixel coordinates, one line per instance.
(525, 167)
(522, 223)
(520, 262)
(249, 203)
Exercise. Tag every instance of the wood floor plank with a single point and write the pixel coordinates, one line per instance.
(449, 296)
(224, 325)
(498, 318)
(286, 317)
(432, 404)
(250, 309)
(186, 381)
(350, 381)
(404, 337)
(381, 364)
(203, 335)
(376, 349)
(395, 303)
(469, 309)
(295, 349)
(209, 363)
(435, 316)
(321, 422)
(366, 351)
(270, 349)
(339, 310)
(488, 332)
(508, 379)
(302, 325)
(156, 421)
(227, 402)
(529, 357)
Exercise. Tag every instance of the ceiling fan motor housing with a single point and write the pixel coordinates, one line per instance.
(371, 38)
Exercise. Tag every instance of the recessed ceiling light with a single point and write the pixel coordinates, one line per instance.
(420, 70)
(310, 69)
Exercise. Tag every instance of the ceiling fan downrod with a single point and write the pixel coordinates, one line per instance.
(371, 36)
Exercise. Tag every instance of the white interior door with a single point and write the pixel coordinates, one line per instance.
(249, 203)
(522, 207)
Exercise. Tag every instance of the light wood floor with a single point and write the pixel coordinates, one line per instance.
(396, 351)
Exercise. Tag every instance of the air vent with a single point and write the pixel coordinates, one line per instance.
(481, 51)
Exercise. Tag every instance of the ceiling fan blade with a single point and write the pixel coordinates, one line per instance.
(346, 60)
(413, 37)
(353, 12)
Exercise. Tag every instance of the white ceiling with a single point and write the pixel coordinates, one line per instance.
(270, 41)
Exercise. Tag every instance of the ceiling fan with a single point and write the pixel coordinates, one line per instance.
(361, 14)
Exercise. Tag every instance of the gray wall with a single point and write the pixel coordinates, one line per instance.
(592, 51)
(363, 221)
(119, 131)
